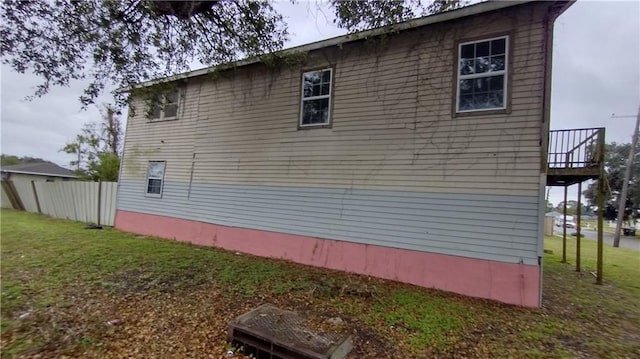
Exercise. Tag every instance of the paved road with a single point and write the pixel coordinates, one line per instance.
(625, 241)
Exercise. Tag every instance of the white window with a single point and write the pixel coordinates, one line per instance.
(482, 75)
(165, 107)
(155, 178)
(315, 109)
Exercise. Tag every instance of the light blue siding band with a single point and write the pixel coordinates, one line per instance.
(494, 227)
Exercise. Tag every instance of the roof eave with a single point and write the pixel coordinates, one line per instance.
(339, 40)
(564, 6)
(40, 174)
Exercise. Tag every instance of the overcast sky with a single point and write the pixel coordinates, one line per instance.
(596, 72)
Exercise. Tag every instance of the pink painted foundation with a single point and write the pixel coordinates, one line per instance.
(505, 282)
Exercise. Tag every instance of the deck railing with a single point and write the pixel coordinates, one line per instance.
(575, 148)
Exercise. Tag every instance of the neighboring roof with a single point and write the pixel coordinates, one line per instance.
(39, 168)
(470, 10)
(554, 214)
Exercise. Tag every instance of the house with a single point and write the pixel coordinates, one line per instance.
(554, 214)
(24, 173)
(37, 171)
(418, 155)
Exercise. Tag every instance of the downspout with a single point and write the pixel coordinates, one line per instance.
(550, 17)
(544, 139)
(122, 158)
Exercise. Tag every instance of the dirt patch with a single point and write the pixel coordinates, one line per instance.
(330, 287)
(62, 328)
(136, 281)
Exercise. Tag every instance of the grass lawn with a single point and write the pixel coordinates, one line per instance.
(70, 291)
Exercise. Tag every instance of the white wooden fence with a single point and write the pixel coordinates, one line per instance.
(81, 201)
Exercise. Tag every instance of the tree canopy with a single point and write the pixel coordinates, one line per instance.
(616, 155)
(9, 160)
(120, 43)
(97, 148)
(572, 208)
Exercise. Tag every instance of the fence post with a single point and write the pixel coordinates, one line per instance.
(13, 195)
(99, 199)
(35, 195)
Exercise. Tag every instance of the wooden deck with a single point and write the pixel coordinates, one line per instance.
(570, 176)
(575, 156)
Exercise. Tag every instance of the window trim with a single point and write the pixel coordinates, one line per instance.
(146, 182)
(506, 109)
(150, 117)
(329, 122)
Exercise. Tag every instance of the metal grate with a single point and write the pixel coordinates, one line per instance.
(273, 333)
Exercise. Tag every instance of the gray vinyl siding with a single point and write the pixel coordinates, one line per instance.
(393, 132)
(501, 228)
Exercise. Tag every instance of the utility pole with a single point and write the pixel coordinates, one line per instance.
(548, 190)
(111, 130)
(622, 200)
